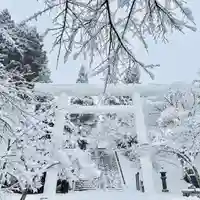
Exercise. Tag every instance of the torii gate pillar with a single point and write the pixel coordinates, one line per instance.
(143, 140)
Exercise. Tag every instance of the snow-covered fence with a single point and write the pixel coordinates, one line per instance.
(63, 92)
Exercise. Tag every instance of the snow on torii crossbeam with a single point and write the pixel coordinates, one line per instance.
(82, 89)
(63, 92)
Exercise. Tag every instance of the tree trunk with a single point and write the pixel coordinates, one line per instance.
(24, 194)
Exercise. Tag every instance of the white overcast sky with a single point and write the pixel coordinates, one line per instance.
(179, 59)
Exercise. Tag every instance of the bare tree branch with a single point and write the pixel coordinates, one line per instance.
(96, 30)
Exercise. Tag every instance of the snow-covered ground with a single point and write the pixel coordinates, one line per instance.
(175, 185)
(127, 194)
(174, 182)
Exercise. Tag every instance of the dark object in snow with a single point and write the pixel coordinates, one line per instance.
(24, 194)
(62, 186)
(191, 178)
(82, 144)
(51, 124)
(142, 186)
(137, 179)
(43, 178)
(194, 181)
(139, 183)
(120, 168)
(164, 181)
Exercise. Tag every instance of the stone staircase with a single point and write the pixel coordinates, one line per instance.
(83, 185)
(111, 176)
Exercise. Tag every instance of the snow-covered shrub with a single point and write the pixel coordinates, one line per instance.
(179, 129)
(29, 146)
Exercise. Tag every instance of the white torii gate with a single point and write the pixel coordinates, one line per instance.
(63, 92)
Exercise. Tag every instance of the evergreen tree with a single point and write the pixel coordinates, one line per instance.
(132, 75)
(21, 50)
(82, 76)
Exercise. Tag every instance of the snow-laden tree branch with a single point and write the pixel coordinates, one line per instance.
(29, 146)
(104, 31)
